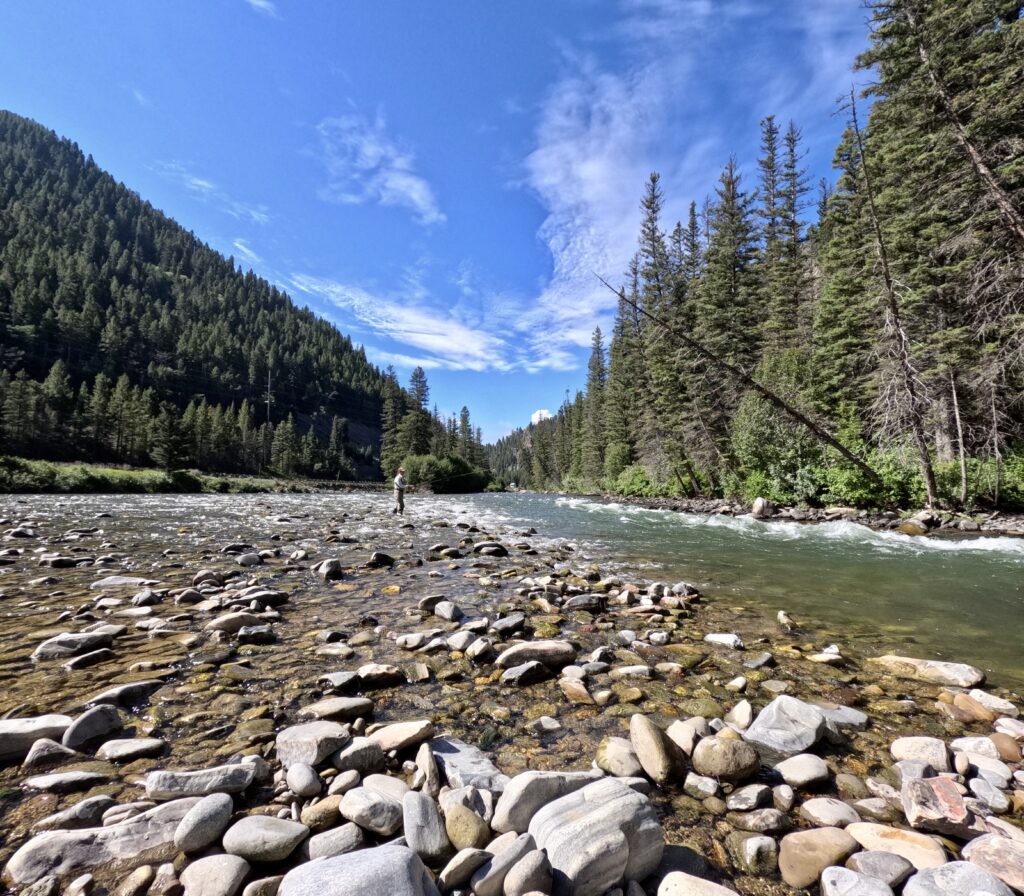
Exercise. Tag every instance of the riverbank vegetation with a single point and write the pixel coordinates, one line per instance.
(444, 455)
(751, 347)
(21, 476)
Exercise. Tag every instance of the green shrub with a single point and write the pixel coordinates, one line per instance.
(635, 482)
(445, 475)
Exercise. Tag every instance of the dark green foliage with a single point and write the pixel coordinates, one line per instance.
(113, 318)
(916, 364)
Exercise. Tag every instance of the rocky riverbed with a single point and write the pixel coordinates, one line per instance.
(351, 703)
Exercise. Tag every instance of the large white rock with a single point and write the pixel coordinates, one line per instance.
(786, 726)
(18, 735)
(679, 883)
(529, 792)
(955, 879)
(215, 876)
(950, 674)
(598, 837)
(66, 853)
(170, 785)
(311, 743)
(390, 870)
(553, 654)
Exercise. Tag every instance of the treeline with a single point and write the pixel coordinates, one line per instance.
(116, 422)
(127, 300)
(444, 454)
(893, 324)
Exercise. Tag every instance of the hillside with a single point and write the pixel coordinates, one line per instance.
(123, 337)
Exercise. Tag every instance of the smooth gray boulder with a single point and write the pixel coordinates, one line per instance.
(131, 748)
(803, 770)
(303, 780)
(361, 754)
(335, 842)
(786, 726)
(390, 870)
(94, 723)
(489, 878)
(220, 875)
(71, 644)
(64, 853)
(837, 881)
(529, 792)
(65, 782)
(553, 654)
(887, 867)
(170, 785)
(87, 813)
(204, 823)
(460, 869)
(423, 828)
(18, 735)
(264, 838)
(310, 743)
(464, 765)
(598, 837)
(955, 879)
(372, 810)
(47, 752)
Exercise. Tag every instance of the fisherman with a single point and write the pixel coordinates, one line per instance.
(399, 492)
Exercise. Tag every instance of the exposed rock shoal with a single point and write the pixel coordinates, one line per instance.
(325, 706)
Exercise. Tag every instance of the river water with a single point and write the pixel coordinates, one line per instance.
(957, 599)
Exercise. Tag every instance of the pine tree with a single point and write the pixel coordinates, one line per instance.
(593, 438)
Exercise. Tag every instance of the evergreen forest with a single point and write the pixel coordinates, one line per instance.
(124, 339)
(858, 343)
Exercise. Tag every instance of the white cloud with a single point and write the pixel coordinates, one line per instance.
(446, 341)
(600, 132)
(266, 7)
(207, 191)
(140, 98)
(364, 164)
(540, 414)
(246, 251)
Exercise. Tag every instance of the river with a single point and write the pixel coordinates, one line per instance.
(957, 599)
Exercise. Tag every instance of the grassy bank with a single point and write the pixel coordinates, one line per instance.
(20, 476)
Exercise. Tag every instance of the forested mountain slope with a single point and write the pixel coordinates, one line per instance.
(123, 337)
(893, 321)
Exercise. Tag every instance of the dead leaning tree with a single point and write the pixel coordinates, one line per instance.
(819, 432)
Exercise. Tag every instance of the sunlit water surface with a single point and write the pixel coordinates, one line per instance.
(948, 598)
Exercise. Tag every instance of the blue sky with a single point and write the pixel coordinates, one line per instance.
(441, 180)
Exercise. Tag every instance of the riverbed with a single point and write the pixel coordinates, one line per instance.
(943, 597)
(207, 696)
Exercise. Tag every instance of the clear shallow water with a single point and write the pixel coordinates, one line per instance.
(959, 599)
(955, 599)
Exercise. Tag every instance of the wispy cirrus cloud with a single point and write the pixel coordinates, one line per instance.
(438, 338)
(140, 98)
(265, 7)
(205, 190)
(364, 164)
(246, 251)
(603, 128)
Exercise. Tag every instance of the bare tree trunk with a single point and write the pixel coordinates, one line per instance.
(819, 432)
(901, 342)
(959, 439)
(1011, 217)
(995, 445)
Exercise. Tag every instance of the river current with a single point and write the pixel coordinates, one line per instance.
(958, 599)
